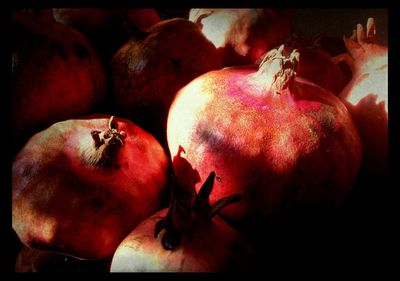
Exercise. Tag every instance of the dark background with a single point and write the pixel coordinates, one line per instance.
(339, 22)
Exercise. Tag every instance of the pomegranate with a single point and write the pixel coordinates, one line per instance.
(81, 185)
(243, 35)
(317, 65)
(366, 96)
(56, 74)
(186, 237)
(278, 139)
(148, 73)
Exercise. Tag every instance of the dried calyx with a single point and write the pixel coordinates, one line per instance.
(279, 69)
(106, 145)
(185, 212)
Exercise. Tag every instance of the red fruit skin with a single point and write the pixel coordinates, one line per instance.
(212, 247)
(241, 36)
(143, 18)
(147, 73)
(317, 66)
(281, 152)
(62, 204)
(56, 75)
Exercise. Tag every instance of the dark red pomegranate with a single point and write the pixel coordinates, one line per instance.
(147, 73)
(81, 185)
(56, 74)
(278, 139)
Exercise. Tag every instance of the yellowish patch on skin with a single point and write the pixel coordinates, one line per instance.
(190, 106)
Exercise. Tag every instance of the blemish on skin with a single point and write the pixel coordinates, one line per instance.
(97, 204)
(80, 51)
(363, 77)
(176, 62)
(382, 67)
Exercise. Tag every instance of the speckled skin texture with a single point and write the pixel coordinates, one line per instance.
(62, 204)
(148, 73)
(297, 149)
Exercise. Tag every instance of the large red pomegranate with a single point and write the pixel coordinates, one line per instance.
(186, 237)
(56, 74)
(147, 73)
(366, 95)
(241, 36)
(81, 185)
(281, 141)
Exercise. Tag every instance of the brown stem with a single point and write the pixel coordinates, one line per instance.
(201, 209)
(106, 145)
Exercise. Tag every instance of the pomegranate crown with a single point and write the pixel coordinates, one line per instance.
(187, 207)
(280, 69)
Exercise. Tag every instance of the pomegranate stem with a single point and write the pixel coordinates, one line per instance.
(107, 144)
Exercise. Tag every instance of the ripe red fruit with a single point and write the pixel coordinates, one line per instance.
(187, 237)
(366, 95)
(281, 141)
(56, 74)
(147, 73)
(241, 36)
(81, 185)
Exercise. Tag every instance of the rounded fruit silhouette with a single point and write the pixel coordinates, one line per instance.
(186, 237)
(147, 73)
(56, 75)
(81, 185)
(281, 141)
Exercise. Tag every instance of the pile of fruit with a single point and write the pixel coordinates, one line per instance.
(149, 142)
